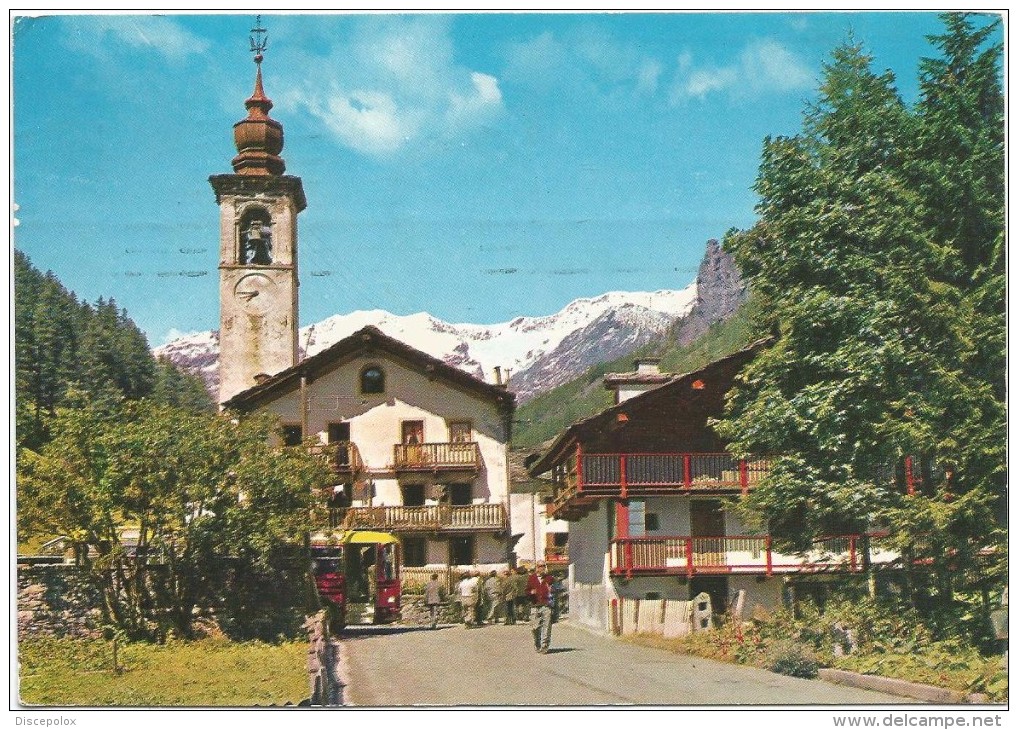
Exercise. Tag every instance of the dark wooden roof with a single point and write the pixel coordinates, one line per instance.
(367, 340)
(585, 429)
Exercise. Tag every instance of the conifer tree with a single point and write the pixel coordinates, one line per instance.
(879, 250)
(62, 344)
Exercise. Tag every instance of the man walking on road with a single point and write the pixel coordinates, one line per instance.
(468, 590)
(539, 589)
(522, 600)
(511, 592)
(493, 596)
(433, 598)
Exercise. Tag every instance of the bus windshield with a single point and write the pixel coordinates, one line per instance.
(328, 565)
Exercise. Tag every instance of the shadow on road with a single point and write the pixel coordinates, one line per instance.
(563, 650)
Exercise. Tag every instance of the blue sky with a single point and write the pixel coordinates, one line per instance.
(478, 167)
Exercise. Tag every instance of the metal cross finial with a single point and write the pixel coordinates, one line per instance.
(260, 40)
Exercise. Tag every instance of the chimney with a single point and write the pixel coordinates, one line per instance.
(261, 378)
(498, 375)
(648, 366)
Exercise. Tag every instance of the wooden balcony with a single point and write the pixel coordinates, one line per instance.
(586, 478)
(429, 518)
(668, 472)
(343, 456)
(434, 457)
(750, 554)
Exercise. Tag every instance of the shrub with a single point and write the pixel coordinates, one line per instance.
(792, 659)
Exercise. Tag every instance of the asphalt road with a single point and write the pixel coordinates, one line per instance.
(396, 666)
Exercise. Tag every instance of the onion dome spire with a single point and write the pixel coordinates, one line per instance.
(258, 138)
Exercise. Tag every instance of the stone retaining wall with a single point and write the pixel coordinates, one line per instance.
(415, 613)
(56, 600)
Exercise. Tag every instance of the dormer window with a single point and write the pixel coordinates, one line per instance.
(256, 237)
(372, 379)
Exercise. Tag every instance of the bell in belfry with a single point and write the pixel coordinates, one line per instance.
(259, 243)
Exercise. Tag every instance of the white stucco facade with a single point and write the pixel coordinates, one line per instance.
(529, 520)
(592, 588)
(444, 412)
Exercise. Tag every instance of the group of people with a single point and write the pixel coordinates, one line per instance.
(509, 596)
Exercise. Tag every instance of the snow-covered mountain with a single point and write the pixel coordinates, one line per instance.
(539, 352)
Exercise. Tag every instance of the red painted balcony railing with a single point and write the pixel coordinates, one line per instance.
(556, 555)
(736, 554)
(690, 472)
(437, 456)
(427, 518)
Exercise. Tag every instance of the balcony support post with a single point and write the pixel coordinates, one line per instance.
(689, 557)
(851, 554)
(623, 484)
(579, 468)
(770, 557)
(744, 476)
(621, 520)
(687, 472)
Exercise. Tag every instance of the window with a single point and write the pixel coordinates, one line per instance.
(339, 433)
(460, 432)
(461, 494)
(637, 518)
(652, 522)
(412, 433)
(461, 550)
(340, 497)
(415, 552)
(256, 237)
(293, 435)
(413, 495)
(372, 379)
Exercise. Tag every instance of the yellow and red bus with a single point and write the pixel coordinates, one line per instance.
(358, 573)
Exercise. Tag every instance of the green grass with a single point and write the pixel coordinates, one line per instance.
(205, 673)
(946, 664)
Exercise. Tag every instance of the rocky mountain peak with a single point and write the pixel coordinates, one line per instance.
(720, 291)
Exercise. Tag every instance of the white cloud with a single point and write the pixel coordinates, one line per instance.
(537, 59)
(769, 65)
(366, 121)
(763, 66)
(484, 95)
(93, 34)
(587, 60)
(648, 77)
(393, 83)
(701, 82)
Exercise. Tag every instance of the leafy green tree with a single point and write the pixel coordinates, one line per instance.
(878, 288)
(166, 505)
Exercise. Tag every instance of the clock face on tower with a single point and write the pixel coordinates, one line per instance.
(254, 293)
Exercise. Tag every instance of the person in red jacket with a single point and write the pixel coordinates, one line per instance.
(539, 589)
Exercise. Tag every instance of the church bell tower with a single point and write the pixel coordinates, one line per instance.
(258, 207)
